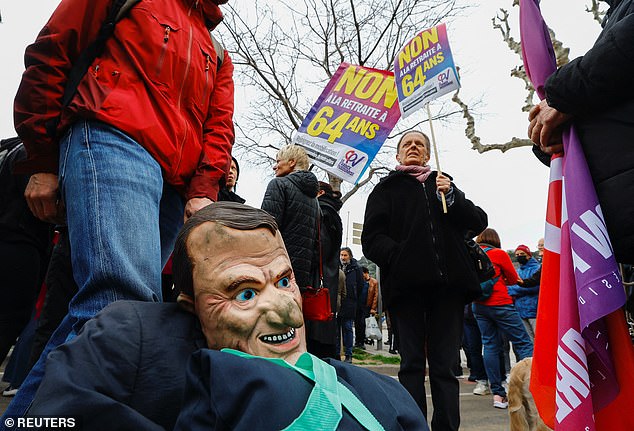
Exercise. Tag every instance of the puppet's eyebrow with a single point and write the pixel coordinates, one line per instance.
(234, 285)
(286, 272)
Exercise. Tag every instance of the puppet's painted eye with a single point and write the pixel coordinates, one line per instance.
(284, 282)
(246, 295)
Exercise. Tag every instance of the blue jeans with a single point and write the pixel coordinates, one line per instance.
(122, 222)
(473, 348)
(504, 318)
(344, 330)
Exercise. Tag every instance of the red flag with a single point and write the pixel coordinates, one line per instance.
(544, 368)
(618, 415)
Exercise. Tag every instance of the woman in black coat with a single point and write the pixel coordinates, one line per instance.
(322, 336)
(426, 273)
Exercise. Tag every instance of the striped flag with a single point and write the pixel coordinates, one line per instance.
(583, 364)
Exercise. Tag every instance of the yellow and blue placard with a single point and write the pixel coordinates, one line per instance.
(424, 69)
(350, 120)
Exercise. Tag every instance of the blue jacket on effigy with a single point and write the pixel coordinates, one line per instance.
(127, 370)
(232, 393)
(525, 298)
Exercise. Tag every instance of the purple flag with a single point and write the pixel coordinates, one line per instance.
(598, 284)
(589, 285)
(537, 48)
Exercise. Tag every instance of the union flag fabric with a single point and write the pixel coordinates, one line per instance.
(583, 365)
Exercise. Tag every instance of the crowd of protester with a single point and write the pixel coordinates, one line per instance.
(127, 250)
(354, 292)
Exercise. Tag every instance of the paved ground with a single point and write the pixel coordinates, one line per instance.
(477, 412)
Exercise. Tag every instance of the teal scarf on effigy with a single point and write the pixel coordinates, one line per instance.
(323, 408)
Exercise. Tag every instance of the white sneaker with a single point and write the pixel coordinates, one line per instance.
(481, 388)
(500, 402)
(10, 391)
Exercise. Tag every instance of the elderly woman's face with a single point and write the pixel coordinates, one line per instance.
(246, 295)
(412, 150)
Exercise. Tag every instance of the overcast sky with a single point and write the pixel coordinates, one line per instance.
(510, 187)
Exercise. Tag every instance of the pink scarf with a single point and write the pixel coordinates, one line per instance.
(421, 173)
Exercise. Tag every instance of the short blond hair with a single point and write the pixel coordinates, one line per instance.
(297, 153)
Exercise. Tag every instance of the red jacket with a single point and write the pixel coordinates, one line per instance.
(156, 81)
(506, 271)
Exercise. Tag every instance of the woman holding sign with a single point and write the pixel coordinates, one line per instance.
(426, 273)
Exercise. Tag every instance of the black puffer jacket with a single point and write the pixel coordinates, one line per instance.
(420, 250)
(292, 200)
(598, 89)
(331, 234)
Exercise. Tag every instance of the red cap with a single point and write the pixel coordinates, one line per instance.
(525, 249)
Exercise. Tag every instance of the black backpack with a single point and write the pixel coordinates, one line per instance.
(486, 286)
(483, 266)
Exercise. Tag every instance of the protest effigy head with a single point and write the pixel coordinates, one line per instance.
(240, 284)
(290, 158)
(413, 148)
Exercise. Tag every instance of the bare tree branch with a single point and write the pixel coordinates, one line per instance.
(475, 140)
(501, 22)
(357, 31)
(388, 25)
(596, 13)
(561, 52)
(362, 183)
(286, 50)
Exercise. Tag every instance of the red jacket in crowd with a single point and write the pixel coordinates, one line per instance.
(505, 270)
(157, 80)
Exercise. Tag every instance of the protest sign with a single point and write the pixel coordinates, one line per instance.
(351, 119)
(424, 69)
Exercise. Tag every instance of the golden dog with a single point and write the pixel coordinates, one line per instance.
(522, 410)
